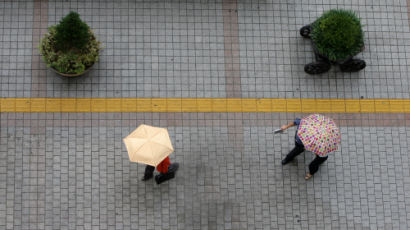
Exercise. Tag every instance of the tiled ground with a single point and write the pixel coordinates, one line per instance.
(273, 53)
(16, 23)
(74, 177)
(71, 171)
(151, 49)
(175, 49)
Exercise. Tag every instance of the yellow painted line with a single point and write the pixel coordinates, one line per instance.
(234, 105)
(249, 105)
(161, 105)
(218, 105)
(293, 105)
(8, 104)
(338, 105)
(382, 106)
(203, 104)
(406, 105)
(264, 105)
(352, 106)
(53, 105)
(324, 105)
(129, 105)
(98, 105)
(22, 104)
(114, 104)
(189, 105)
(38, 104)
(279, 105)
(396, 106)
(367, 106)
(67, 104)
(83, 105)
(309, 105)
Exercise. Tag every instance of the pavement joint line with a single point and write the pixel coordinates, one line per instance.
(38, 68)
(231, 48)
(195, 105)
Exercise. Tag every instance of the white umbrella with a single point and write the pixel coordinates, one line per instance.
(148, 145)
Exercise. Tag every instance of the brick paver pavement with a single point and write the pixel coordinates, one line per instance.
(61, 170)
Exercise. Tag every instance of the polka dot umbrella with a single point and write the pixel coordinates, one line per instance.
(319, 134)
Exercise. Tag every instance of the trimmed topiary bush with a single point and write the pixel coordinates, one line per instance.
(338, 34)
(72, 33)
(70, 47)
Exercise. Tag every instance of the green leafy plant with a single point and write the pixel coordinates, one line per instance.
(71, 32)
(338, 34)
(70, 47)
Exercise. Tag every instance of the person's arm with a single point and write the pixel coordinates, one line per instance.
(288, 125)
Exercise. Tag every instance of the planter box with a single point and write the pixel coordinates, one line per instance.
(72, 75)
(323, 64)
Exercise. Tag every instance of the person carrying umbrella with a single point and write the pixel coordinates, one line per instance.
(315, 133)
(152, 146)
(165, 168)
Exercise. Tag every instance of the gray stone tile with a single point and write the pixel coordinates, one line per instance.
(275, 27)
(75, 177)
(141, 41)
(359, 186)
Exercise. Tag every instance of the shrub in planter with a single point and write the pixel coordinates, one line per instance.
(337, 36)
(70, 48)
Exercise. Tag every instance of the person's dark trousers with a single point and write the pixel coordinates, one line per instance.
(149, 172)
(314, 165)
(298, 149)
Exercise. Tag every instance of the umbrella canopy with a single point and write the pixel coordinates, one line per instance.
(148, 145)
(319, 134)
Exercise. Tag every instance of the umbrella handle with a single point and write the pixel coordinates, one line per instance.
(278, 131)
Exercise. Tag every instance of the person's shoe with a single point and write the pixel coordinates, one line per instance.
(162, 177)
(308, 176)
(173, 167)
(147, 177)
(284, 161)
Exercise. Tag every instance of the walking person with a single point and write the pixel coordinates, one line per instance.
(152, 146)
(319, 134)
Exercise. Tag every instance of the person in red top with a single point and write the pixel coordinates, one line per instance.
(165, 168)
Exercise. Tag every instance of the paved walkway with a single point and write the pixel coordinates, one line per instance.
(221, 76)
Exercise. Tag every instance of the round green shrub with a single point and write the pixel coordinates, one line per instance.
(338, 34)
(72, 33)
(73, 57)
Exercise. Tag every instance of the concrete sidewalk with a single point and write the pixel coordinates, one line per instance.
(68, 169)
